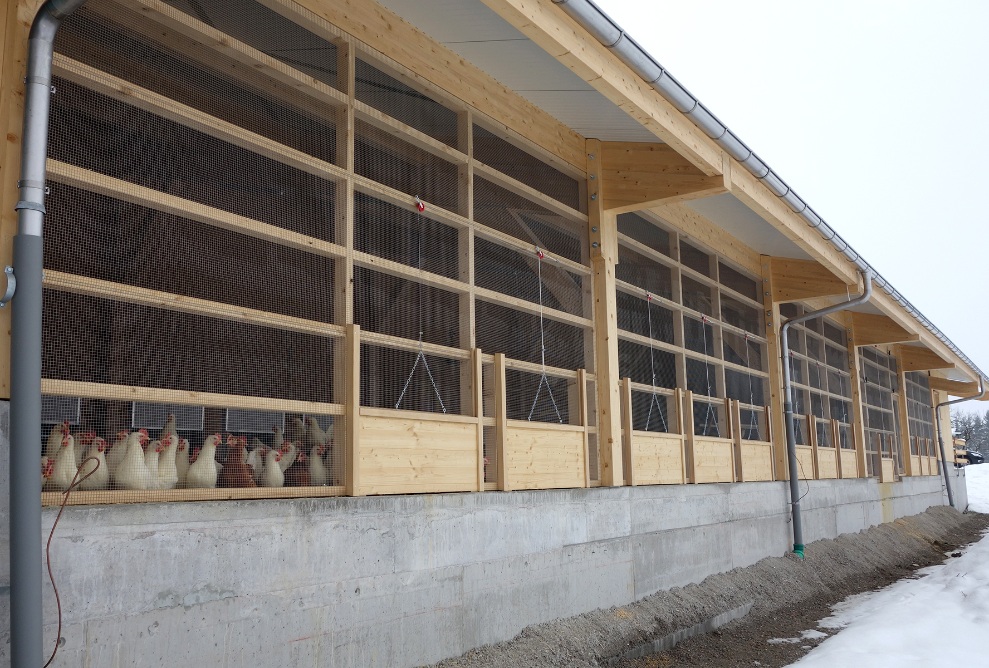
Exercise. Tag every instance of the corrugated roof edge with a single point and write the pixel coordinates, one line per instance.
(593, 19)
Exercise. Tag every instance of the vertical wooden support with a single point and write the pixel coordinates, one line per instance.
(582, 412)
(15, 22)
(770, 436)
(735, 413)
(678, 401)
(501, 420)
(603, 235)
(774, 415)
(858, 412)
(688, 436)
(352, 410)
(477, 410)
(627, 431)
(465, 243)
(815, 455)
(836, 441)
(343, 280)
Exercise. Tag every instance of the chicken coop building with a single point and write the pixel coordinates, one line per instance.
(385, 329)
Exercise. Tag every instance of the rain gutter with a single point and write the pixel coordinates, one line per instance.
(25, 344)
(611, 35)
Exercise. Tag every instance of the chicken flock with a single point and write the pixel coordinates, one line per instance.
(135, 462)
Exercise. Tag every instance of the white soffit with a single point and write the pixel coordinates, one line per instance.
(473, 31)
(731, 215)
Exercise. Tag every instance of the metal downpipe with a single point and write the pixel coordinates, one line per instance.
(791, 439)
(26, 620)
(940, 438)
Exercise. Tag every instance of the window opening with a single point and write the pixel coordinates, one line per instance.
(543, 379)
(421, 355)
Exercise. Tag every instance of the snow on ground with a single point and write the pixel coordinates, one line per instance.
(936, 620)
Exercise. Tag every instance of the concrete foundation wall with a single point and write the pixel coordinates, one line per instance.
(401, 581)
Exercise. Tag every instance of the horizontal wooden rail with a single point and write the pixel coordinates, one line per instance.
(422, 416)
(74, 388)
(408, 134)
(632, 337)
(85, 179)
(527, 192)
(544, 426)
(84, 498)
(93, 287)
(413, 346)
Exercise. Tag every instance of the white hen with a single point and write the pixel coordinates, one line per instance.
(203, 471)
(100, 474)
(65, 464)
(132, 473)
(168, 474)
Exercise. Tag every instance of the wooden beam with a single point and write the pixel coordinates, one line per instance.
(352, 405)
(75, 388)
(638, 175)
(603, 234)
(797, 280)
(858, 411)
(873, 329)
(560, 36)
(955, 388)
(774, 411)
(914, 358)
(437, 65)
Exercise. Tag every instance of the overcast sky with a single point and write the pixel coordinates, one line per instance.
(875, 112)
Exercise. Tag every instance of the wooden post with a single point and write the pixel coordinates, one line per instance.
(903, 417)
(465, 243)
(477, 408)
(582, 412)
(603, 234)
(501, 421)
(688, 436)
(352, 410)
(774, 415)
(678, 400)
(836, 440)
(15, 23)
(858, 413)
(735, 413)
(812, 435)
(627, 427)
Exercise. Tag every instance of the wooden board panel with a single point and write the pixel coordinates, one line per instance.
(658, 458)
(849, 467)
(916, 465)
(795, 280)
(757, 461)
(404, 455)
(888, 470)
(537, 457)
(714, 460)
(805, 462)
(827, 463)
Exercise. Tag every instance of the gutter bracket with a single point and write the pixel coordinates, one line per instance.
(11, 286)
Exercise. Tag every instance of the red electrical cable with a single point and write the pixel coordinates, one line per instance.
(76, 480)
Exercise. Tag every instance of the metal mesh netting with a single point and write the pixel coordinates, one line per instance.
(879, 383)
(920, 412)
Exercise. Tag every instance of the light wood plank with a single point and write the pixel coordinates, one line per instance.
(540, 458)
(115, 496)
(713, 460)
(61, 172)
(874, 329)
(849, 464)
(628, 454)
(955, 388)
(73, 388)
(757, 461)
(352, 439)
(640, 175)
(93, 287)
(805, 462)
(501, 420)
(658, 458)
(915, 358)
(797, 280)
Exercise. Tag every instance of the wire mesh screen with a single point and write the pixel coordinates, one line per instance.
(401, 101)
(654, 410)
(490, 456)
(709, 418)
(410, 380)
(645, 232)
(494, 151)
(538, 397)
(643, 316)
(920, 411)
(402, 234)
(649, 366)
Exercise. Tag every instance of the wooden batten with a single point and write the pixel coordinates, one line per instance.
(501, 420)
(874, 329)
(687, 429)
(352, 438)
(630, 473)
(638, 175)
(796, 280)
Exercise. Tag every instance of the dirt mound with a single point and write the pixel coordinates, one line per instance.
(787, 596)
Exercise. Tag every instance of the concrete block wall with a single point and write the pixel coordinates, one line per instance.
(402, 581)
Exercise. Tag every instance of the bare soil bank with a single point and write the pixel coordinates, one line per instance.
(788, 596)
